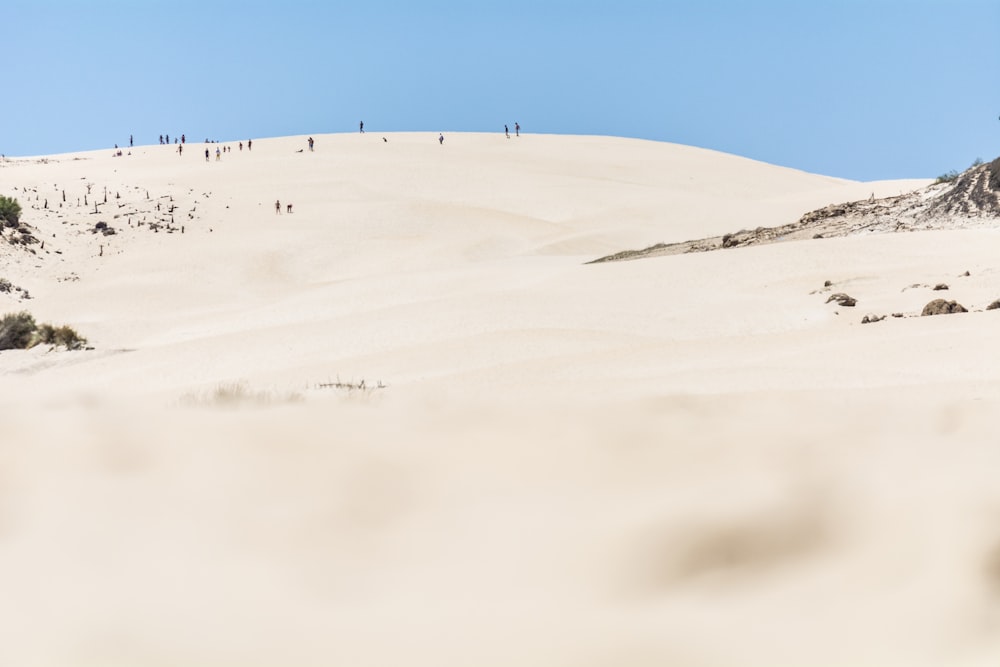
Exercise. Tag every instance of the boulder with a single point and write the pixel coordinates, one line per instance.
(842, 299)
(942, 307)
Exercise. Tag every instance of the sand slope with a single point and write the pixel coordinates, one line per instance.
(575, 464)
(390, 246)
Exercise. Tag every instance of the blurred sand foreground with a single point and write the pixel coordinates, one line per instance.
(689, 460)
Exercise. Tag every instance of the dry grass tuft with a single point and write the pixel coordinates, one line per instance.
(238, 394)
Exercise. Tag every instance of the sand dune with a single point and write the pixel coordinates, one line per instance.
(691, 459)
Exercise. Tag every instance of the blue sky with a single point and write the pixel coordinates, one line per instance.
(861, 89)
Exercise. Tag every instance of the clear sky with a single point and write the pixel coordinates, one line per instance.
(861, 89)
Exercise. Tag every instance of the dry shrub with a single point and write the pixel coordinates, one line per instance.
(237, 394)
(60, 336)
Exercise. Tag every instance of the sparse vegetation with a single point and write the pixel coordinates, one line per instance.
(952, 176)
(10, 211)
(947, 177)
(362, 385)
(7, 287)
(236, 394)
(19, 331)
(64, 336)
(239, 394)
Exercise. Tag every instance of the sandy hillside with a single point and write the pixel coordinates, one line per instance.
(693, 459)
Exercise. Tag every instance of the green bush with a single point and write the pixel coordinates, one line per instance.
(952, 176)
(10, 211)
(17, 330)
(947, 177)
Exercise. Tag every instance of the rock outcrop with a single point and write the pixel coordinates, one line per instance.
(942, 307)
(970, 200)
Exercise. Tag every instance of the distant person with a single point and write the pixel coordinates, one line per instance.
(168, 138)
(361, 127)
(241, 146)
(311, 144)
(506, 131)
(183, 138)
(289, 208)
(206, 155)
(180, 149)
(161, 139)
(441, 139)
(517, 130)
(130, 141)
(277, 207)
(218, 154)
(249, 144)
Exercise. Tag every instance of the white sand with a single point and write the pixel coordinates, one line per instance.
(681, 460)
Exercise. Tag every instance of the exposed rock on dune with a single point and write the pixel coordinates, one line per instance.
(943, 307)
(971, 200)
(843, 299)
